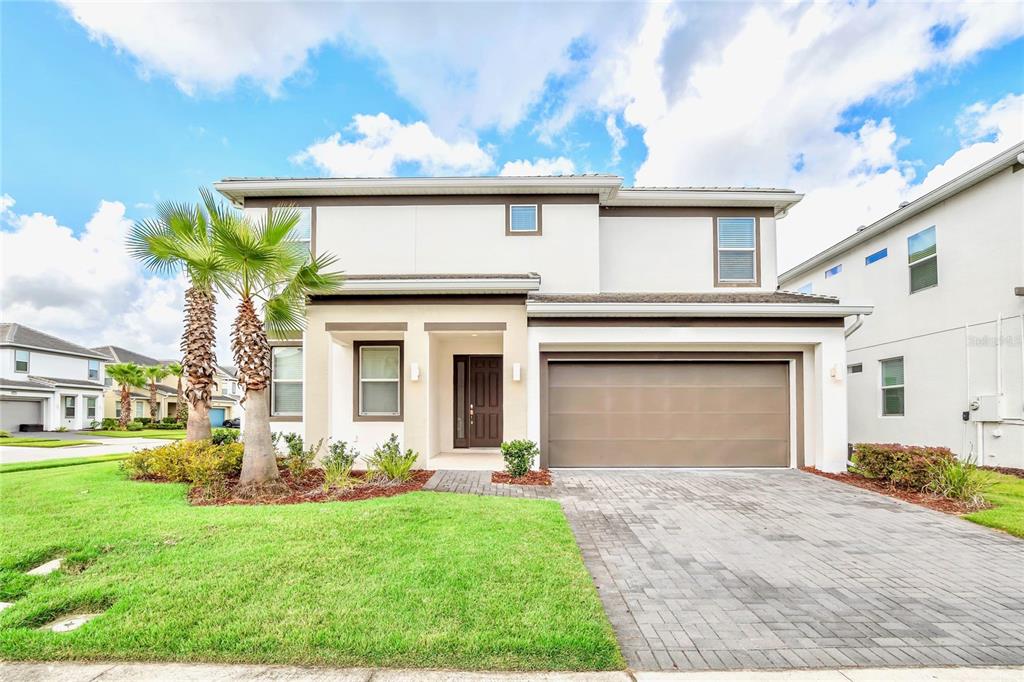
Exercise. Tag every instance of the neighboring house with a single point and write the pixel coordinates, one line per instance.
(940, 362)
(617, 327)
(47, 382)
(223, 405)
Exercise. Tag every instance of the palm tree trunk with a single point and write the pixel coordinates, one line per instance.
(181, 400)
(154, 407)
(252, 355)
(126, 406)
(198, 360)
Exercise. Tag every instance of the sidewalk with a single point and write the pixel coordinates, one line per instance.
(105, 446)
(181, 672)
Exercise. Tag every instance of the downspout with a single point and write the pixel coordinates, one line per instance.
(857, 324)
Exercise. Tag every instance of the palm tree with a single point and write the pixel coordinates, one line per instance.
(175, 369)
(155, 374)
(272, 275)
(180, 237)
(127, 375)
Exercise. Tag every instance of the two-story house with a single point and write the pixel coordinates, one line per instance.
(47, 383)
(941, 360)
(223, 401)
(616, 327)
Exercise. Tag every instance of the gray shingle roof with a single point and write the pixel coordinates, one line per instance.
(780, 297)
(119, 354)
(14, 334)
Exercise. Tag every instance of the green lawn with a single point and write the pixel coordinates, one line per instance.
(419, 580)
(172, 434)
(1007, 494)
(62, 462)
(42, 442)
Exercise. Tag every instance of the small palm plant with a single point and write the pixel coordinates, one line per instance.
(175, 369)
(154, 375)
(180, 237)
(272, 277)
(127, 376)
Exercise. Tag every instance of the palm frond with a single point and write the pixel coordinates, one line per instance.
(284, 315)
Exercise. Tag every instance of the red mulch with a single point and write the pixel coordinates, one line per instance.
(310, 488)
(542, 477)
(930, 500)
(1009, 471)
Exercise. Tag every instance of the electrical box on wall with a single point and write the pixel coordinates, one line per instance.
(988, 408)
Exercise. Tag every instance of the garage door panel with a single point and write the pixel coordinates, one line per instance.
(14, 413)
(668, 414)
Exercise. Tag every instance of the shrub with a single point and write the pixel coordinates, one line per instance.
(299, 460)
(518, 456)
(199, 462)
(387, 464)
(181, 414)
(62, 429)
(5, 434)
(94, 424)
(108, 423)
(160, 426)
(911, 466)
(337, 465)
(169, 420)
(143, 420)
(958, 480)
(135, 426)
(225, 436)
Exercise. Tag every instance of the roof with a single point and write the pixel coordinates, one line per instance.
(119, 354)
(440, 283)
(161, 389)
(775, 297)
(57, 381)
(230, 370)
(15, 334)
(997, 163)
(608, 189)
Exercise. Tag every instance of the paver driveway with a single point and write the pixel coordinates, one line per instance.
(786, 569)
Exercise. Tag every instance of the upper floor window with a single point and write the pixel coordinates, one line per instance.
(94, 370)
(379, 388)
(806, 289)
(856, 368)
(924, 260)
(876, 256)
(737, 250)
(286, 381)
(833, 271)
(523, 219)
(892, 387)
(21, 360)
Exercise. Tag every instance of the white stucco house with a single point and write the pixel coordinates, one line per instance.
(47, 382)
(614, 326)
(941, 360)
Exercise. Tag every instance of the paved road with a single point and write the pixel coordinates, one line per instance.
(734, 570)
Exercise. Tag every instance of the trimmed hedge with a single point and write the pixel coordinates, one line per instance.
(910, 466)
(198, 462)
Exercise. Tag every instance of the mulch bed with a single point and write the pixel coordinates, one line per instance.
(1009, 471)
(930, 500)
(542, 477)
(310, 488)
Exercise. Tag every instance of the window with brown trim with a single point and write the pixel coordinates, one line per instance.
(736, 243)
(377, 380)
(523, 219)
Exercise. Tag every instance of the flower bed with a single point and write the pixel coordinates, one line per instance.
(542, 477)
(1009, 471)
(310, 488)
(925, 499)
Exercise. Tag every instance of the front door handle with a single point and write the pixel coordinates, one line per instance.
(471, 414)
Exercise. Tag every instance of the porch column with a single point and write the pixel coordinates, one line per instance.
(416, 408)
(316, 344)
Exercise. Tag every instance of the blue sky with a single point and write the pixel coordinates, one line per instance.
(108, 108)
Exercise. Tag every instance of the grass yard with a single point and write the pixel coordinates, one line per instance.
(1007, 494)
(170, 434)
(56, 463)
(42, 442)
(420, 580)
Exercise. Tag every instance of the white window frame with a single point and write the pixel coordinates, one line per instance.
(274, 381)
(91, 377)
(834, 271)
(140, 409)
(719, 249)
(910, 266)
(883, 387)
(308, 241)
(397, 380)
(73, 407)
(90, 407)
(536, 218)
(28, 361)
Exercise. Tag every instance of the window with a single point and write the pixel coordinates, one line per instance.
(21, 361)
(892, 387)
(832, 272)
(286, 377)
(94, 370)
(737, 245)
(876, 256)
(855, 369)
(523, 219)
(140, 408)
(379, 385)
(924, 260)
(107, 381)
(69, 407)
(117, 409)
(90, 408)
(806, 289)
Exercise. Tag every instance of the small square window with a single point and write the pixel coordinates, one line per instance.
(876, 256)
(855, 368)
(522, 218)
(833, 271)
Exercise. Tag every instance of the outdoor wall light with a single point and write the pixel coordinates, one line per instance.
(517, 371)
(414, 371)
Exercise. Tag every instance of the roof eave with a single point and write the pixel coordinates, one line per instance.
(441, 286)
(781, 201)
(816, 310)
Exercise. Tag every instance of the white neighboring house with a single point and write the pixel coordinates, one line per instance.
(47, 382)
(940, 362)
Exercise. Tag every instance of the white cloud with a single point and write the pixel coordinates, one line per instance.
(618, 138)
(380, 144)
(556, 166)
(85, 288)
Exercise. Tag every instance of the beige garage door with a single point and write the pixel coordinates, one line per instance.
(668, 414)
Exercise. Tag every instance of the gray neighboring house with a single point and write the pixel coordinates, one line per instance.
(47, 382)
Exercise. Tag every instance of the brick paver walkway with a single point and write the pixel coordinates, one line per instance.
(730, 570)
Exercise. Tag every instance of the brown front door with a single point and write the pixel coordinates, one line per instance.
(477, 412)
